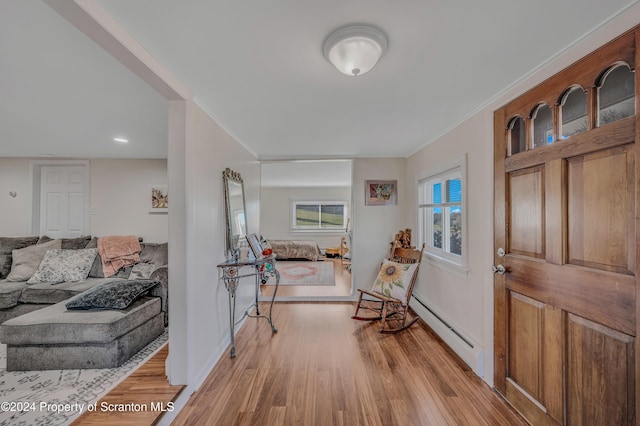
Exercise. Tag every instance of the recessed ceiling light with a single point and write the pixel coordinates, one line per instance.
(121, 140)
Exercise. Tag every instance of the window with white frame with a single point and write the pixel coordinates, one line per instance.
(319, 216)
(441, 214)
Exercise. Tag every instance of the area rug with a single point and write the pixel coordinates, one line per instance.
(305, 273)
(57, 397)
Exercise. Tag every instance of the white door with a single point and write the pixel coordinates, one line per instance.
(63, 201)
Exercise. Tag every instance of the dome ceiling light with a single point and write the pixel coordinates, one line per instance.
(355, 49)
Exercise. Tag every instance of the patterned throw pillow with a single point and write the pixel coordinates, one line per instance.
(111, 295)
(393, 279)
(64, 266)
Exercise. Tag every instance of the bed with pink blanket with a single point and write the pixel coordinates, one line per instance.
(295, 249)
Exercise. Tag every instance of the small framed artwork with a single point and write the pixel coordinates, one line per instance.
(159, 202)
(254, 243)
(381, 192)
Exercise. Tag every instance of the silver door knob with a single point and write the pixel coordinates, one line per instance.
(499, 269)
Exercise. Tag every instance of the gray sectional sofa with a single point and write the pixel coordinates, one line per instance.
(42, 333)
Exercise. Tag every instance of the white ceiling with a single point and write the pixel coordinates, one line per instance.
(63, 96)
(258, 68)
(306, 173)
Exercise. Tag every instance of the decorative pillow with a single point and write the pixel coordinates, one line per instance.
(64, 265)
(394, 278)
(69, 243)
(156, 254)
(7, 245)
(142, 271)
(96, 267)
(112, 295)
(152, 257)
(26, 260)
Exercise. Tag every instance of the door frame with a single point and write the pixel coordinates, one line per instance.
(35, 171)
(614, 50)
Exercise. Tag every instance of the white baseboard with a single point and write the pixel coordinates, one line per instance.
(466, 348)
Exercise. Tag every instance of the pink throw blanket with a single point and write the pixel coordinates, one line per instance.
(118, 252)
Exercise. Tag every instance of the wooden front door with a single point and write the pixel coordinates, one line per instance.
(566, 216)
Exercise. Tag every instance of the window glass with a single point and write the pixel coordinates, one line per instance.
(616, 98)
(307, 215)
(542, 126)
(574, 112)
(332, 216)
(454, 190)
(319, 215)
(517, 136)
(436, 235)
(441, 214)
(454, 195)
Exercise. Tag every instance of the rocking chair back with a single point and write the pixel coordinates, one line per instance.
(388, 309)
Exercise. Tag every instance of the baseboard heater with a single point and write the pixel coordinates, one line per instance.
(445, 323)
(470, 351)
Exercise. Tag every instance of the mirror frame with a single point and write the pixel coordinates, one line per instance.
(229, 175)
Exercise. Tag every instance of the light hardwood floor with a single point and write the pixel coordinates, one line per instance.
(147, 385)
(323, 368)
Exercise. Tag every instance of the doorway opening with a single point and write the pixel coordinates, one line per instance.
(308, 203)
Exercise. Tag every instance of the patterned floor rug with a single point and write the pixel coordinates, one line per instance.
(305, 273)
(57, 397)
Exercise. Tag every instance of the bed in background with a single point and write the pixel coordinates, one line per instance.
(295, 249)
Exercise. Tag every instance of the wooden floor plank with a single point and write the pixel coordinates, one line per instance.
(147, 385)
(324, 368)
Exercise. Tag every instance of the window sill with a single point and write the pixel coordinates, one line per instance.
(447, 265)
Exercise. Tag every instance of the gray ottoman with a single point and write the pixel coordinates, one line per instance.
(55, 338)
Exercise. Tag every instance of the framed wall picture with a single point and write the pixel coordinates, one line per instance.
(381, 192)
(159, 199)
(254, 243)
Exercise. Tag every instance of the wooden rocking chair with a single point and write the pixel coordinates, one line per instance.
(389, 298)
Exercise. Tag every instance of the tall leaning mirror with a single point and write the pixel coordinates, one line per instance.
(235, 209)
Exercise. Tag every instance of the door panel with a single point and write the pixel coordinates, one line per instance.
(601, 223)
(535, 353)
(53, 212)
(601, 369)
(525, 343)
(526, 192)
(76, 220)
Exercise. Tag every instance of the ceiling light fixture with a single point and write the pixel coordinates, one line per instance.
(355, 49)
(121, 140)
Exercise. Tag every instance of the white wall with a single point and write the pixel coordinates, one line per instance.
(276, 212)
(119, 194)
(459, 297)
(15, 213)
(374, 227)
(198, 300)
(467, 302)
